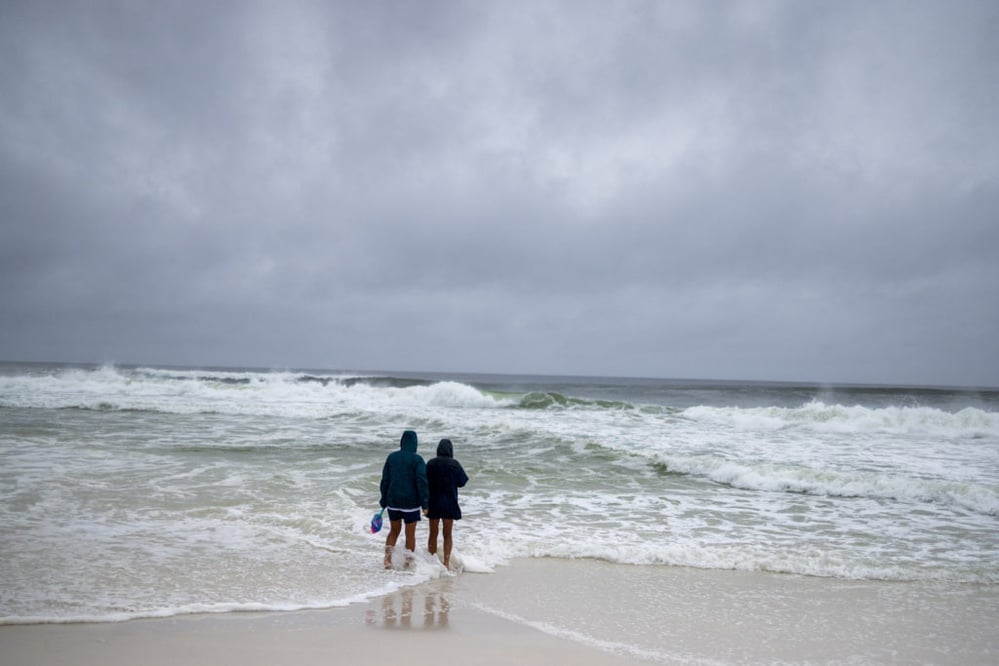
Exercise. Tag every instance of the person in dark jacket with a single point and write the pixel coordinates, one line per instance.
(403, 493)
(444, 476)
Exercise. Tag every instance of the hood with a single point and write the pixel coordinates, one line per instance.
(408, 442)
(444, 449)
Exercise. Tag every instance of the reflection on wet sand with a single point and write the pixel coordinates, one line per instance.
(398, 613)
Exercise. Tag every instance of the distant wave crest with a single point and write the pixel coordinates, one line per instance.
(553, 400)
(968, 422)
(773, 477)
(233, 392)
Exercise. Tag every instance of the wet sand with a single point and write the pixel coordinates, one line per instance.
(556, 611)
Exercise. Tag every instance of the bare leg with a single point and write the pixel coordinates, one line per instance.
(393, 536)
(411, 537)
(435, 524)
(448, 542)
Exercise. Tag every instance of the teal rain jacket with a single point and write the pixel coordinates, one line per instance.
(404, 477)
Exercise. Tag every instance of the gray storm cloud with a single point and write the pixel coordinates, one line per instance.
(724, 190)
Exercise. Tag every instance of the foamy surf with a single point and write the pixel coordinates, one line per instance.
(252, 490)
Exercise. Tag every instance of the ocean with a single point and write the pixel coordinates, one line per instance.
(132, 492)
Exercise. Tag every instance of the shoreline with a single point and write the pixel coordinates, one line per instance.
(542, 611)
(419, 623)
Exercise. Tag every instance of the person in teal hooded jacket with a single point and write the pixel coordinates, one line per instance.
(403, 492)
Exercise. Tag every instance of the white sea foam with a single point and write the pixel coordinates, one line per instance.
(251, 490)
(265, 394)
(854, 483)
(297, 394)
(819, 417)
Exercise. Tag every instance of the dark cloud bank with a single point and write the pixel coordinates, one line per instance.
(758, 190)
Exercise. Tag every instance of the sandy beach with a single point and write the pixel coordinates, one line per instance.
(552, 611)
(413, 626)
(337, 636)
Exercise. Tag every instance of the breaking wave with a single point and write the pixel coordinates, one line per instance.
(773, 477)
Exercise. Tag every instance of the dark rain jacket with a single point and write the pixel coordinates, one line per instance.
(445, 475)
(404, 477)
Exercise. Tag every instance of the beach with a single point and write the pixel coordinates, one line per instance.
(544, 611)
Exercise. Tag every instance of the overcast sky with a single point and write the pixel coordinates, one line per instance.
(750, 190)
